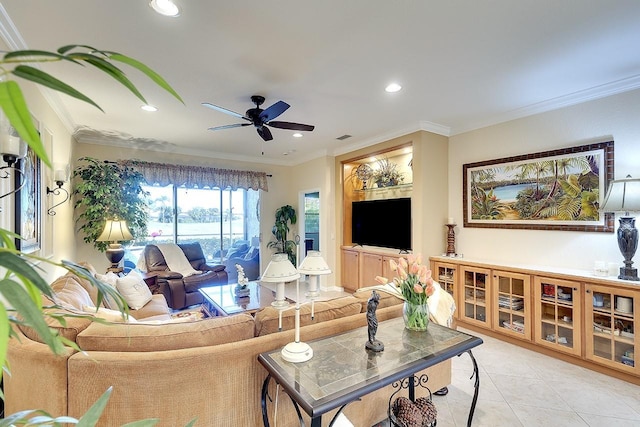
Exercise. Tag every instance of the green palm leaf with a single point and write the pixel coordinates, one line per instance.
(14, 106)
(146, 70)
(38, 76)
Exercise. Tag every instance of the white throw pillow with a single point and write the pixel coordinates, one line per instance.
(133, 289)
(110, 279)
(107, 314)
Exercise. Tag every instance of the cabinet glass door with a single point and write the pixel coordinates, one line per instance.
(512, 293)
(476, 309)
(557, 313)
(446, 276)
(611, 322)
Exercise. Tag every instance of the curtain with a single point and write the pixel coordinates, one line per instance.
(198, 176)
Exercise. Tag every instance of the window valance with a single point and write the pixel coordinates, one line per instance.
(198, 176)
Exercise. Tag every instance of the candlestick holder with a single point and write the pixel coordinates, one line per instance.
(451, 240)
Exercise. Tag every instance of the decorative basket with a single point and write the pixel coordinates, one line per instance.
(421, 413)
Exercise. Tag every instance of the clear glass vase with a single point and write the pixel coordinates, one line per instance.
(416, 316)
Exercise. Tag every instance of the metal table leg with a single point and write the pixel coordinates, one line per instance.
(476, 386)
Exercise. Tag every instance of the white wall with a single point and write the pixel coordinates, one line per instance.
(614, 118)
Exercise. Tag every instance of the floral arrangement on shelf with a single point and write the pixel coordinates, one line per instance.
(414, 285)
(387, 174)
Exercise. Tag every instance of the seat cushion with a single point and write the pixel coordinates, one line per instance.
(386, 299)
(167, 336)
(267, 319)
(69, 329)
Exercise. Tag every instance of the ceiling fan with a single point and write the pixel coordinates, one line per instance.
(261, 118)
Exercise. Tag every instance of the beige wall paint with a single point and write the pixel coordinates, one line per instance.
(612, 118)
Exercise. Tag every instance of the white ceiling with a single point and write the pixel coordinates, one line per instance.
(463, 64)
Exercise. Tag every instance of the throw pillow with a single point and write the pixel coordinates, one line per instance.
(107, 314)
(134, 290)
(70, 294)
(111, 279)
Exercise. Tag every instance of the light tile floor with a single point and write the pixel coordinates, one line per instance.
(519, 387)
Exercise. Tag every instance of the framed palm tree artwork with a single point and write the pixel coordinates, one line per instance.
(552, 190)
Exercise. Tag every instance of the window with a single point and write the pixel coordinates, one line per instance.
(213, 217)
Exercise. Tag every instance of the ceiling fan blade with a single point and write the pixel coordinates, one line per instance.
(230, 126)
(265, 133)
(274, 111)
(224, 110)
(292, 126)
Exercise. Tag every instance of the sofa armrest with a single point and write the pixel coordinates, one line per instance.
(173, 291)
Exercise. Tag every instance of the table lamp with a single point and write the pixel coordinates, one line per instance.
(313, 266)
(115, 231)
(623, 196)
(279, 271)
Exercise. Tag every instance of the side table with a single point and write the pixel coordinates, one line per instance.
(151, 279)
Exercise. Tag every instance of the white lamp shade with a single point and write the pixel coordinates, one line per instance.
(314, 264)
(61, 172)
(280, 269)
(115, 231)
(623, 195)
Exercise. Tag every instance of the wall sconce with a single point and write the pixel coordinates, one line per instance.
(60, 176)
(12, 149)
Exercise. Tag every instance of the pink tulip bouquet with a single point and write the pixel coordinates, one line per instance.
(413, 283)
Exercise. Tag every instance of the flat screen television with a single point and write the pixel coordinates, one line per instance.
(384, 223)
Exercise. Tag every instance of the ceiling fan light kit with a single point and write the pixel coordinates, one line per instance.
(260, 118)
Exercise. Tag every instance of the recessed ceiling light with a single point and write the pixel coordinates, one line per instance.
(165, 7)
(393, 87)
(297, 135)
(148, 107)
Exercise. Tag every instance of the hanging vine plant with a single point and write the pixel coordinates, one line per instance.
(107, 190)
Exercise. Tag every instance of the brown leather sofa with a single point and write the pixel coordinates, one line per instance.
(180, 291)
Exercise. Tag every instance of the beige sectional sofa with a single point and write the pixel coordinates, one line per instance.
(175, 372)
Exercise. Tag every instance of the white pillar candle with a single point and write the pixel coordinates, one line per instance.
(11, 145)
(60, 175)
(450, 220)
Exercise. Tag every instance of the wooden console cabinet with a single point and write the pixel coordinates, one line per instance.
(587, 320)
(360, 266)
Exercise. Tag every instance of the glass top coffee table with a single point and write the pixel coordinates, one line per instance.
(222, 300)
(342, 370)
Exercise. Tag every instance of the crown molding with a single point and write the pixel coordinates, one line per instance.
(602, 91)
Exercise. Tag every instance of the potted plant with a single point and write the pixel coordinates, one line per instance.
(109, 190)
(21, 286)
(285, 215)
(386, 174)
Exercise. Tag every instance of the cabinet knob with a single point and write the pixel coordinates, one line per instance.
(588, 291)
